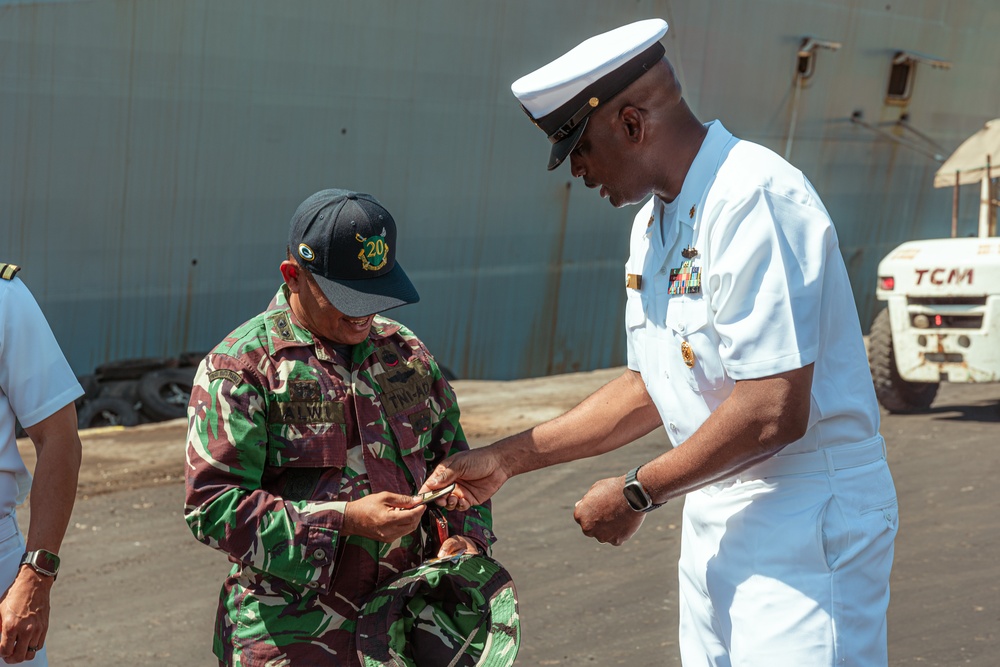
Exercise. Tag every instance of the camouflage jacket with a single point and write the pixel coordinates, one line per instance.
(283, 430)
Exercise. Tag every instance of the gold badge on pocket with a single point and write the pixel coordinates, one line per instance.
(687, 354)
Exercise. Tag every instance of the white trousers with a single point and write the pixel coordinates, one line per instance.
(11, 549)
(789, 570)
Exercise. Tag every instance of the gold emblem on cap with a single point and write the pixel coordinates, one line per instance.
(374, 253)
(593, 101)
(306, 253)
(687, 354)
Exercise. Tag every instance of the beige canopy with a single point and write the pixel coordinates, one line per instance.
(970, 158)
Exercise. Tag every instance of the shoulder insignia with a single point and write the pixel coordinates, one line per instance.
(282, 327)
(8, 271)
(226, 374)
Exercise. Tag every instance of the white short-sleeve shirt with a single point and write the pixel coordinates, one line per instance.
(774, 296)
(36, 381)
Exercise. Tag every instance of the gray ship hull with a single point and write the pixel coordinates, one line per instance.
(151, 154)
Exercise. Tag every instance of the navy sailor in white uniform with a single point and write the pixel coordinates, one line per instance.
(38, 389)
(744, 343)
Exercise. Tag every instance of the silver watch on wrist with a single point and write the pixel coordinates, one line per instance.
(636, 495)
(41, 561)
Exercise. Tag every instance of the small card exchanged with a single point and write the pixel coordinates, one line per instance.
(434, 495)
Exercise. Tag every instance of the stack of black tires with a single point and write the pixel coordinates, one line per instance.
(137, 391)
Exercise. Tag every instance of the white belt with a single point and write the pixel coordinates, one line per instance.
(825, 460)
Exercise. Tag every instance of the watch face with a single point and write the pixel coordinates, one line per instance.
(47, 560)
(42, 561)
(635, 497)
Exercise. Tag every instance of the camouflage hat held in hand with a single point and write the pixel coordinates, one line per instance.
(454, 612)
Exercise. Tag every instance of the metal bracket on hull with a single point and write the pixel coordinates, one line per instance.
(856, 118)
(804, 67)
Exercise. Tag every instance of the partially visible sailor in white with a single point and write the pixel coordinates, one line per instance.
(744, 342)
(38, 389)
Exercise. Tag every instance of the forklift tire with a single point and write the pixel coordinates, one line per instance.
(91, 389)
(107, 411)
(893, 392)
(165, 393)
(127, 390)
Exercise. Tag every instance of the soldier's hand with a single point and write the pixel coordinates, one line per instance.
(605, 515)
(479, 474)
(382, 516)
(457, 544)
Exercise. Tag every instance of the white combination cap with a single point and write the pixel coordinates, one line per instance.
(560, 96)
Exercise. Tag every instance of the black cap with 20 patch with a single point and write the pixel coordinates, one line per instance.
(347, 240)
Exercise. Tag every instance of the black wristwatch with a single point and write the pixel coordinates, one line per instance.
(636, 495)
(41, 561)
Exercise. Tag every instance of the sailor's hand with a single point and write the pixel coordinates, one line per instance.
(479, 473)
(24, 616)
(457, 544)
(605, 515)
(382, 516)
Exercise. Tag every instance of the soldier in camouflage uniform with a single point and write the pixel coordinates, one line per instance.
(310, 428)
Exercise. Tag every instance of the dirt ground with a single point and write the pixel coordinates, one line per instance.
(136, 589)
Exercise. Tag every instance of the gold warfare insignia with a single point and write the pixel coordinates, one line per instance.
(687, 354)
(374, 253)
(226, 374)
(306, 253)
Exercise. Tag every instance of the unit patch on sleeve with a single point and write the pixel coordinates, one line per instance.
(226, 374)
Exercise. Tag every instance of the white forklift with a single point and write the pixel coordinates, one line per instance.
(942, 317)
